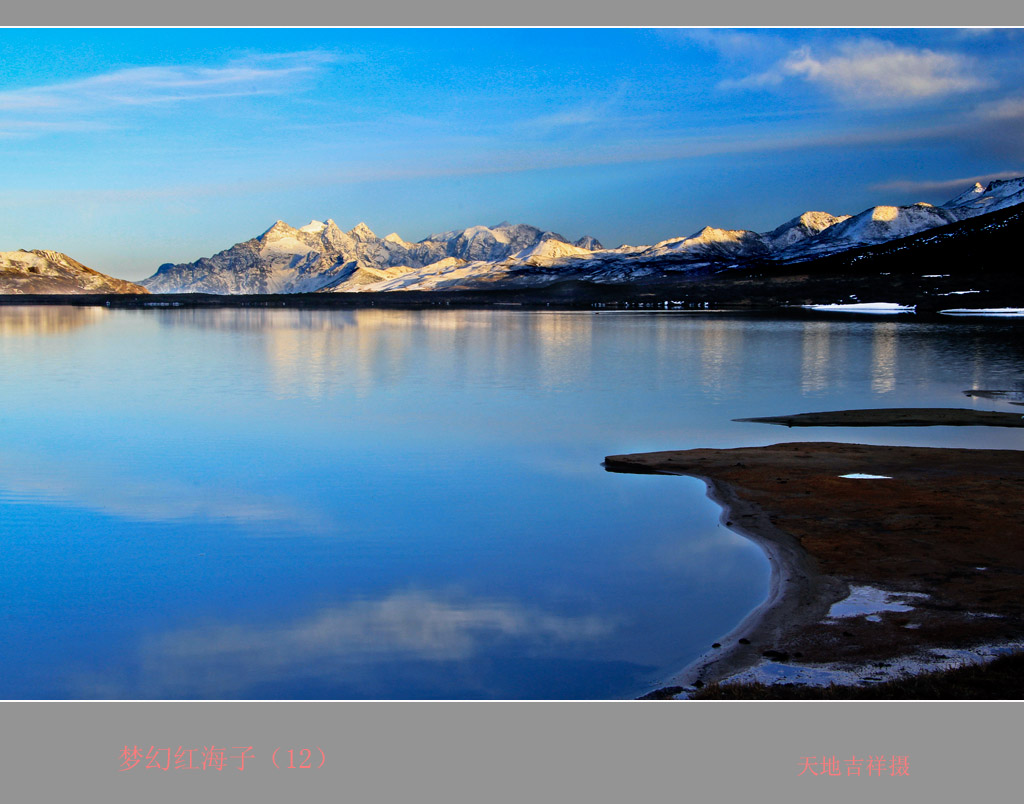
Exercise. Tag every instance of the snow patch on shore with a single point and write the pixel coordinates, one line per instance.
(884, 308)
(1009, 312)
(822, 675)
(868, 600)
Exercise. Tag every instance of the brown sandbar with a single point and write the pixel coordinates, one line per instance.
(947, 525)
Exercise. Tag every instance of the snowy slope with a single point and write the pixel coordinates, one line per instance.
(875, 225)
(998, 195)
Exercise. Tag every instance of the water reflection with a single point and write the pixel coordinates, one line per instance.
(883, 357)
(317, 354)
(563, 346)
(398, 450)
(45, 320)
(92, 484)
(816, 347)
(716, 349)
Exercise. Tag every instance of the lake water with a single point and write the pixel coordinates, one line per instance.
(409, 504)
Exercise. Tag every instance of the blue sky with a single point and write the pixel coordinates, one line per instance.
(130, 148)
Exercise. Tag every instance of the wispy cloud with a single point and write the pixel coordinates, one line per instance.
(1002, 110)
(32, 128)
(730, 43)
(490, 161)
(140, 86)
(975, 33)
(951, 186)
(605, 111)
(575, 116)
(873, 71)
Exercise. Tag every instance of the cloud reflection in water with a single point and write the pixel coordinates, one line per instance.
(224, 660)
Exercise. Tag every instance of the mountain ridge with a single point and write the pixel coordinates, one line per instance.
(320, 257)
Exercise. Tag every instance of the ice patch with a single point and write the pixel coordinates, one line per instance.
(1009, 312)
(862, 476)
(822, 675)
(867, 600)
(885, 308)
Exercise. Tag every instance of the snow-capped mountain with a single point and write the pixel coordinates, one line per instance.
(45, 272)
(876, 225)
(979, 200)
(321, 257)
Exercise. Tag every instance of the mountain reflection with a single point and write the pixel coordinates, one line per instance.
(347, 642)
(720, 351)
(48, 320)
(148, 466)
(883, 358)
(816, 346)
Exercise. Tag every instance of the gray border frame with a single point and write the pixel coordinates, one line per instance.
(522, 751)
(638, 13)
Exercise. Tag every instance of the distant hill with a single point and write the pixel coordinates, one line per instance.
(51, 272)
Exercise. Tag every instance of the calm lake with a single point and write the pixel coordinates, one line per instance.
(410, 504)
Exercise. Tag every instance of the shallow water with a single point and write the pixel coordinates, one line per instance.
(409, 504)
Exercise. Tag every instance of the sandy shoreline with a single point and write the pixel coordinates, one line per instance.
(943, 531)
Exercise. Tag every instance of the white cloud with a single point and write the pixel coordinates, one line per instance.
(873, 71)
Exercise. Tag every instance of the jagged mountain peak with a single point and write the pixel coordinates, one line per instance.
(279, 227)
(589, 243)
(803, 226)
(362, 232)
(998, 194)
(810, 222)
(967, 195)
(708, 234)
(818, 221)
(548, 251)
